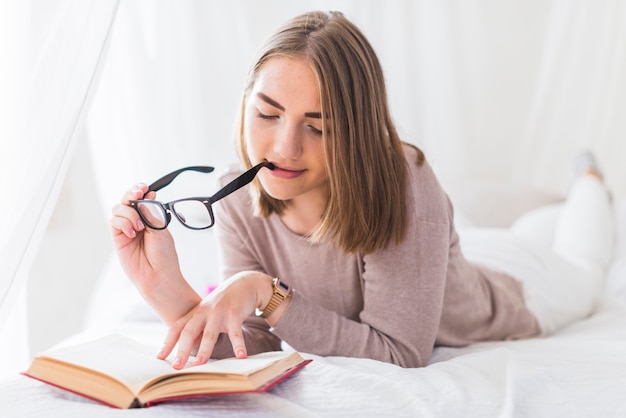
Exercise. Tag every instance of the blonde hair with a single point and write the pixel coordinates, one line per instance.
(365, 160)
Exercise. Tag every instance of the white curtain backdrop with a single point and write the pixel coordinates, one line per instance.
(54, 52)
(507, 90)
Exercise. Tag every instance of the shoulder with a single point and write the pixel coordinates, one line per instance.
(425, 196)
(420, 173)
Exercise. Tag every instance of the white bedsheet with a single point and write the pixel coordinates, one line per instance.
(578, 372)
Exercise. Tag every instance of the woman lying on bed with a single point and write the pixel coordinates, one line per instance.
(345, 244)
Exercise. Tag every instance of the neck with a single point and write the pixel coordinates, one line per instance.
(303, 216)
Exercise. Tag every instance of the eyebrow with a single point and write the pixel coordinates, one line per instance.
(274, 103)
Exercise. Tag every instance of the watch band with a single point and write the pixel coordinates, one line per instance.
(281, 292)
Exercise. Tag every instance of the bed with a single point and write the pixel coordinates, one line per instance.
(579, 371)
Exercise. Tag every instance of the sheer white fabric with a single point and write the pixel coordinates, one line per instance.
(483, 94)
(57, 49)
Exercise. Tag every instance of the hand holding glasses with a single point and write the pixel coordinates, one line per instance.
(192, 212)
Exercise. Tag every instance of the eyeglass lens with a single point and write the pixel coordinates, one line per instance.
(152, 213)
(192, 213)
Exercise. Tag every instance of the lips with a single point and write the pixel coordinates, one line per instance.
(286, 172)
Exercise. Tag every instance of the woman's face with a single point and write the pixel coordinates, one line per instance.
(283, 125)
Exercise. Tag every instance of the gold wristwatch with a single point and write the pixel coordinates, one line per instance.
(281, 292)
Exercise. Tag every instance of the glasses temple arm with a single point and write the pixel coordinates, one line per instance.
(240, 181)
(168, 178)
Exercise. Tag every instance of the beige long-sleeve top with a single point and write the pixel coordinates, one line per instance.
(393, 305)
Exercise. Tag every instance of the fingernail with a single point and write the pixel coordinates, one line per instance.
(199, 360)
(177, 363)
(140, 225)
(241, 354)
(161, 353)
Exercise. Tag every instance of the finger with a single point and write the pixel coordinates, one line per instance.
(238, 342)
(186, 340)
(209, 338)
(127, 220)
(125, 211)
(170, 342)
(122, 226)
(136, 192)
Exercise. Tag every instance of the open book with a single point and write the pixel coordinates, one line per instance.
(124, 373)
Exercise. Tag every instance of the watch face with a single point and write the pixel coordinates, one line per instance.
(283, 286)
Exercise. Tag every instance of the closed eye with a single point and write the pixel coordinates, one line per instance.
(264, 116)
(315, 130)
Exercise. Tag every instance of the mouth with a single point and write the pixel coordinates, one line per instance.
(286, 172)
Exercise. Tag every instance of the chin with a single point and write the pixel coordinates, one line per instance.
(277, 195)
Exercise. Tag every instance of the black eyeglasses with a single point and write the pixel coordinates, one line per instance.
(192, 212)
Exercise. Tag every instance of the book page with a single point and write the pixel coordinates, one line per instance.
(244, 367)
(129, 361)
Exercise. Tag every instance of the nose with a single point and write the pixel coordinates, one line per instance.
(287, 142)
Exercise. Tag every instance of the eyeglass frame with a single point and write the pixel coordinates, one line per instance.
(168, 208)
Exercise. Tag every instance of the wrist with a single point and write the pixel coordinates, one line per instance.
(264, 291)
(170, 298)
(276, 316)
(280, 294)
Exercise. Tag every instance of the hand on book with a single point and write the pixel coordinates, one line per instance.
(222, 311)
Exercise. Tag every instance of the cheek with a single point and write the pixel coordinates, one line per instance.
(253, 136)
